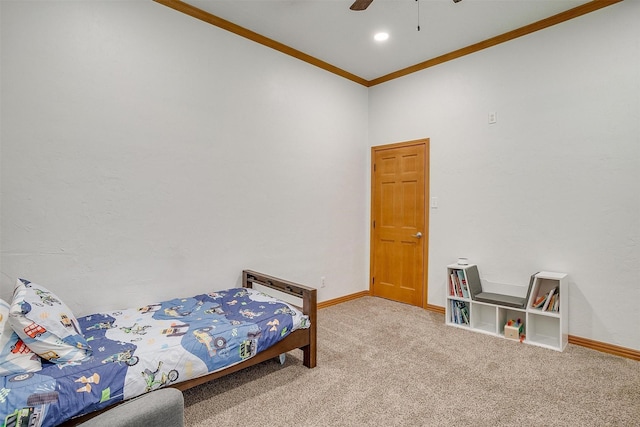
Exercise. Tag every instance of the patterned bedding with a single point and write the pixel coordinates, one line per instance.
(138, 350)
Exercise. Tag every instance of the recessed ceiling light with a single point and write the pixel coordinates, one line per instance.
(380, 37)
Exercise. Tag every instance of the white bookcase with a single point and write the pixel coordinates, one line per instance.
(542, 327)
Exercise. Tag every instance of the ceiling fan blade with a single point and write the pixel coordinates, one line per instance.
(360, 4)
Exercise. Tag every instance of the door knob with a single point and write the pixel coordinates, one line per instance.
(418, 235)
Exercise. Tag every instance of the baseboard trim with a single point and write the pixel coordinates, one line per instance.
(434, 308)
(604, 347)
(329, 303)
(616, 350)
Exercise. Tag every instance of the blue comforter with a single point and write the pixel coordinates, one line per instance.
(139, 350)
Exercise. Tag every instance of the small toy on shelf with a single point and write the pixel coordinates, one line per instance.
(514, 330)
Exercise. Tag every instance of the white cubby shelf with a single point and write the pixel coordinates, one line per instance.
(545, 325)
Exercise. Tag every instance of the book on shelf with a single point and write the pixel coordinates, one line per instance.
(465, 314)
(554, 304)
(548, 299)
(549, 303)
(538, 302)
(452, 284)
(463, 283)
(459, 313)
(456, 285)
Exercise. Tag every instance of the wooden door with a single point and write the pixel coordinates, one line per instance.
(399, 238)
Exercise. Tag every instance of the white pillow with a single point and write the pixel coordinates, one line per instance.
(46, 324)
(15, 356)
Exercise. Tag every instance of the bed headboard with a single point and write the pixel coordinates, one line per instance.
(306, 293)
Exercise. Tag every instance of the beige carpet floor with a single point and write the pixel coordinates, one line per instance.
(382, 363)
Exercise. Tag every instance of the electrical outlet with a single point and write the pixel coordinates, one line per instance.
(322, 283)
(493, 118)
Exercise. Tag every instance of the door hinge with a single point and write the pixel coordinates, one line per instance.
(373, 280)
(374, 223)
(374, 167)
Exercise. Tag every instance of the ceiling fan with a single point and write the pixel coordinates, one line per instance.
(363, 4)
(360, 4)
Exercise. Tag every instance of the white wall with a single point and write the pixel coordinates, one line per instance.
(553, 185)
(148, 154)
(145, 152)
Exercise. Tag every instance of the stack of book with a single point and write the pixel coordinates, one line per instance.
(459, 313)
(548, 302)
(458, 284)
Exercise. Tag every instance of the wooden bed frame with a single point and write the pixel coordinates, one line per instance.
(304, 339)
